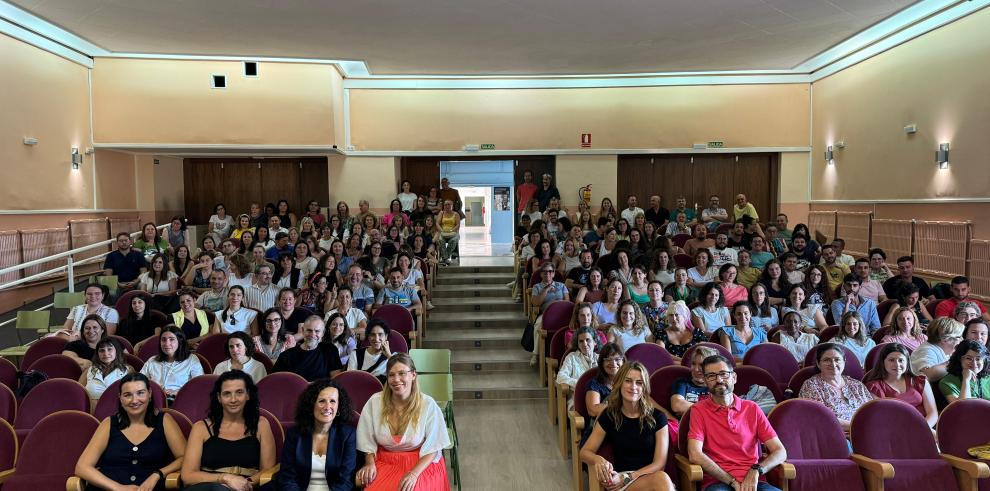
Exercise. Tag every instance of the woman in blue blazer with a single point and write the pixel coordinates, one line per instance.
(323, 437)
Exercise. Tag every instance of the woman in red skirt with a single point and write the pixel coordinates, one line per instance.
(402, 433)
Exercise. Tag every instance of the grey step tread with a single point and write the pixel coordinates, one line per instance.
(485, 381)
(441, 288)
(500, 394)
(490, 355)
(436, 316)
(440, 334)
(454, 277)
(474, 269)
(460, 301)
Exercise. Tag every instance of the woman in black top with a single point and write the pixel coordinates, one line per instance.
(285, 214)
(112, 459)
(322, 434)
(229, 448)
(141, 321)
(637, 433)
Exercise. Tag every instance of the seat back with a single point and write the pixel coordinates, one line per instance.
(652, 356)
(8, 446)
(439, 386)
(279, 392)
(213, 348)
(278, 432)
(124, 343)
(398, 319)
(686, 359)
(683, 260)
(682, 432)
(55, 444)
(148, 348)
(883, 308)
(203, 362)
(43, 347)
(558, 315)
(57, 366)
(808, 430)
(185, 425)
(67, 300)
(931, 306)
(123, 304)
(680, 239)
(107, 404)
(33, 320)
(48, 397)
(828, 333)
(662, 383)
(556, 347)
(748, 375)
(264, 360)
(8, 373)
(193, 398)
(880, 334)
(396, 342)
(580, 389)
(873, 356)
(134, 362)
(8, 404)
(852, 369)
(360, 386)
(886, 429)
(775, 359)
(962, 425)
(427, 360)
(794, 385)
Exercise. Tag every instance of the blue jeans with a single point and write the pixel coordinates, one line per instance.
(761, 486)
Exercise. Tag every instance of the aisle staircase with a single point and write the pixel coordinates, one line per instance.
(477, 319)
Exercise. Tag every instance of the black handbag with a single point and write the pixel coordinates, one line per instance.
(528, 341)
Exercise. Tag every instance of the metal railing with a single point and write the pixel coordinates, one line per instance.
(68, 258)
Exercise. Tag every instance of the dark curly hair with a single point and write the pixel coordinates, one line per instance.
(252, 409)
(965, 346)
(308, 398)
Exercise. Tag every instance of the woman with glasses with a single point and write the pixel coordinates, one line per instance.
(968, 374)
(273, 339)
(402, 434)
(610, 359)
(841, 394)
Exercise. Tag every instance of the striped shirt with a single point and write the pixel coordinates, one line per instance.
(259, 298)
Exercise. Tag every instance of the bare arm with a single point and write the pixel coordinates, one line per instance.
(931, 411)
(593, 400)
(679, 404)
(86, 465)
(696, 456)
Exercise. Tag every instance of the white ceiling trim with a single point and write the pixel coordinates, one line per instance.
(568, 151)
(908, 24)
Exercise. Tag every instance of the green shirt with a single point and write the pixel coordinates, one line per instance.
(951, 385)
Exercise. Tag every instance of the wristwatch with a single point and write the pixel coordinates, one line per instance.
(759, 470)
(626, 478)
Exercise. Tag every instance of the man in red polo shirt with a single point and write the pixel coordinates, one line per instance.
(960, 292)
(526, 191)
(725, 434)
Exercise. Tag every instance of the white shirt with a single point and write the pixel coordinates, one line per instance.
(369, 360)
(408, 201)
(236, 321)
(78, 313)
(97, 383)
(318, 474)
(307, 266)
(244, 282)
(353, 317)
(926, 356)
(147, 284)
(222, 227)
(800, 347)
(428, 437)
(259, 298)
(627, 339)
(630, 214)
(171, 376)
(724, 256)
(413, 277)
(253, 367)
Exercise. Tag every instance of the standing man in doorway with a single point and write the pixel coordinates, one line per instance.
(449, 193)
(547, 192)
(526, 191)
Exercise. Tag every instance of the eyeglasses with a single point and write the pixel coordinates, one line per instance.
(618, 360)
(272, 321)
(718, 376)
(395, 375)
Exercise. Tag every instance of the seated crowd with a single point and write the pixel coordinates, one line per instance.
(721, 279)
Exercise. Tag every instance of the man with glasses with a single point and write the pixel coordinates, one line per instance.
(714, 215)
(725, 433)
(261, 296)
(215, 298)
(312, 360)
(546, 292)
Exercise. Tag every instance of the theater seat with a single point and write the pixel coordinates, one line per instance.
(49, 454)
(816, 448)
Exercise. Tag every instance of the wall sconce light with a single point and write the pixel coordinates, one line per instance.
(942, 156)
(829, 156)
(76, 158)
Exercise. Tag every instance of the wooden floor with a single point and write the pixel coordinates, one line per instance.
(509, 445)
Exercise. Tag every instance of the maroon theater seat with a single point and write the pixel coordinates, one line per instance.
(775, 359)
(48, 457)
(58, 366)
(360, 386)
(652, 356)
(46, 398)
(108, 403)
(193, 399)
(816, 447)
(279, 392)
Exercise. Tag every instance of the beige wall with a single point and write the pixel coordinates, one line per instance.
(46, 97)
(169, 186)
(939, 82)
(794, 188)
(520, 119)
(577, 171)
(355, 178)
(115, 180)
(171, 102)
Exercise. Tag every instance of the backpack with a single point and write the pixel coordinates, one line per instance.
(28, 380)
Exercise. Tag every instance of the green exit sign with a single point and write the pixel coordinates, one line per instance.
(488, 146)
(716, 144)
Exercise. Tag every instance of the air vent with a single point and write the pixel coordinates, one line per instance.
(219, 81)
(250, 68)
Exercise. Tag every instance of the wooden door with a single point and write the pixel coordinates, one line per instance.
(314, 183)
(421, 172)
(203, 188)
(635, 177)
(280, 180)
(758, 177)
(713, 174)
(241, 182)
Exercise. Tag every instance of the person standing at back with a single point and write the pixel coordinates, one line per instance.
(526, 191)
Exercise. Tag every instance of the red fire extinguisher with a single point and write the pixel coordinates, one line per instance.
(585, 194)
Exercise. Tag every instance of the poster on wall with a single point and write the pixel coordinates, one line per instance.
(501, 198)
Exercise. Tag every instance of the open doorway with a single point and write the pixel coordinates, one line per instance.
(485, 189)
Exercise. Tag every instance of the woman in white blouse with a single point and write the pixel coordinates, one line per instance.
(240, 351)
(355, 317)
(793, 338)
(402, 434)
(94, 295)
(174, 365)
(305, 261)
(108, 367)
(159, 281)
(236, 317)
(583, 357)
(372, 359)
(812, 318)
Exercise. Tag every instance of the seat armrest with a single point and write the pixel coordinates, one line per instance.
(876, 467)
(687, 472)
(6, 474)
(975, 469)
(268, 474)
(173, 481)
(74, 483)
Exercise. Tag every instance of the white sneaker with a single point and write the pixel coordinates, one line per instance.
(532, 360)
(429, 305)
(510, 284)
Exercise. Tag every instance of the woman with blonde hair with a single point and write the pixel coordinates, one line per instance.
(932, 357)
(402, 434)
(905, 328)
(637, 432)
(630, 328)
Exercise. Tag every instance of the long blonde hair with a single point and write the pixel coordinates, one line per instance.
(643, 405)
(399, 420)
